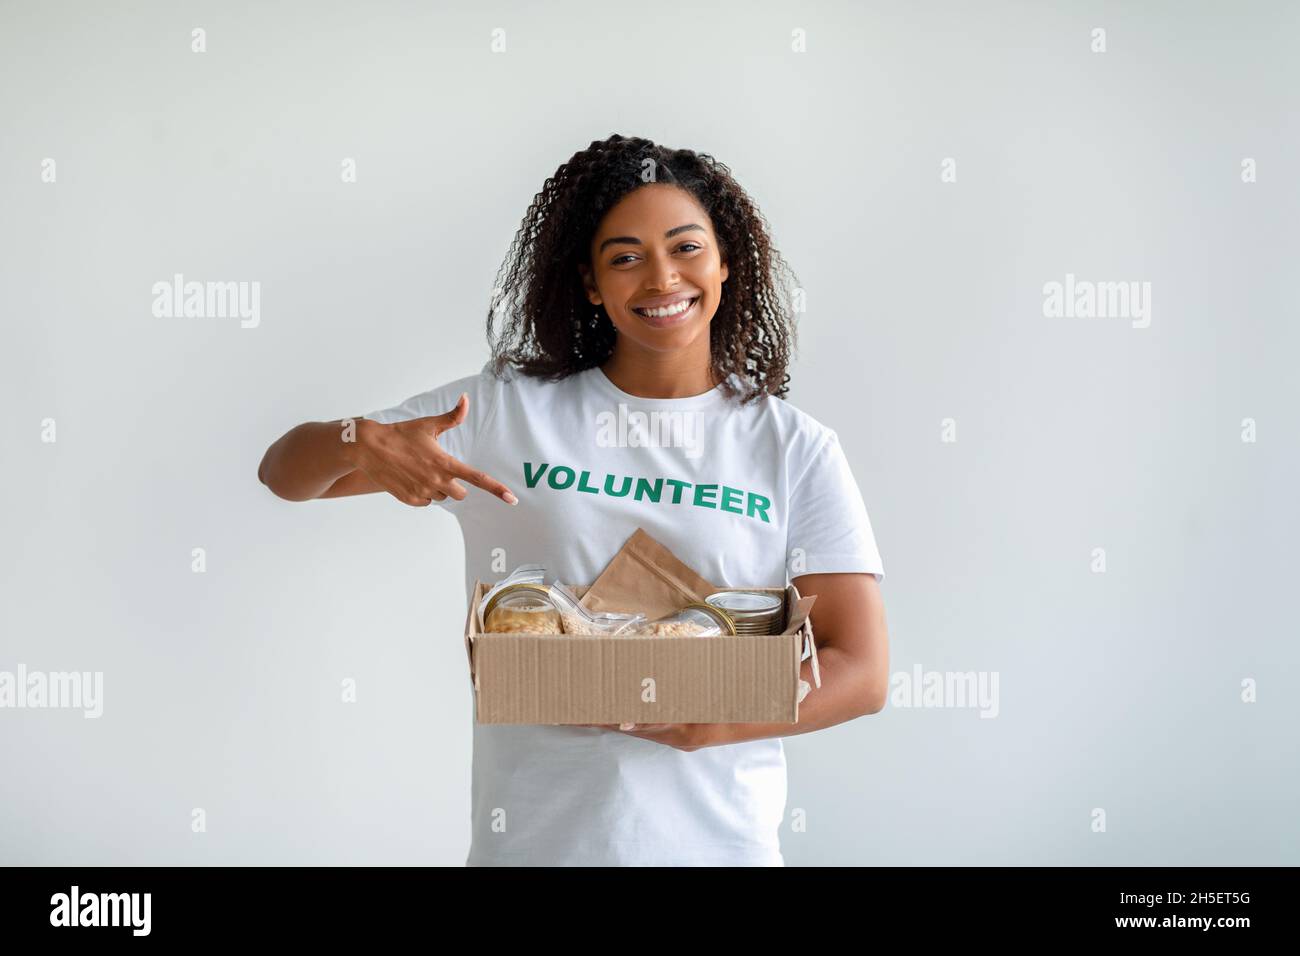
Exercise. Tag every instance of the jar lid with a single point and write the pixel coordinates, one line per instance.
(727, 621)
(517, 589)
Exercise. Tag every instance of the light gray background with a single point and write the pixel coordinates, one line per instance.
(1118, 690)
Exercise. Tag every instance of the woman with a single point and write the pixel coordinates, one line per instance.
(642, 280)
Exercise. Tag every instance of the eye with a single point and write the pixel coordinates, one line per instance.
(619, 259)
(693, 245)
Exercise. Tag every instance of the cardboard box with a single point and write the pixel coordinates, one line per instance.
(575, 679)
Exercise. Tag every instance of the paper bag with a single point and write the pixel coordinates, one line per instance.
(645, 576)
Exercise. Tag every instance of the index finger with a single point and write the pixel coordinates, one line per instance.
(480, 479)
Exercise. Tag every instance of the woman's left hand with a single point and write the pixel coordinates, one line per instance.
(685, 737)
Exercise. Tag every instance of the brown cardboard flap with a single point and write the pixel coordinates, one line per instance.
(473, 626)
(812, 655)
(799, 613)
(801, 618)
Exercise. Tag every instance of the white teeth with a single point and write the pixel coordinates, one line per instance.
(675, 309)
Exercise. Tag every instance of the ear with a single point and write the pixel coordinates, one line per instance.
(725, 272)
(589, 283)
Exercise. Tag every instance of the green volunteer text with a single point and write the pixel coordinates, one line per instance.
(721, 497)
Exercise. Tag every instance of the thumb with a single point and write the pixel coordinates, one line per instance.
(454, 417)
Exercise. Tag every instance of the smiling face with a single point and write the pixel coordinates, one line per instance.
(657, 269)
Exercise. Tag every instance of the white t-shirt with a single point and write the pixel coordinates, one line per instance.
(736, 493)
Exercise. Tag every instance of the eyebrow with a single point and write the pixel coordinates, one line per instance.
(634, 241)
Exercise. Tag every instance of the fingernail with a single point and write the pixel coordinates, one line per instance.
(511, 499)
(627, 726)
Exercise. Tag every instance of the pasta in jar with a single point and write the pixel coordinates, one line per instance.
(522, 609)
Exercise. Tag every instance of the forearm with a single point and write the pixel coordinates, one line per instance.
(306, 460)
(850, 688)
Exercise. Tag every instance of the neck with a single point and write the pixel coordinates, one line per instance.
(648, 374)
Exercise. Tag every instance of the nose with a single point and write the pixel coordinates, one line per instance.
(662, 274)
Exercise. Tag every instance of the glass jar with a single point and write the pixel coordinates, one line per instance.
(521, 609)
(694, 620)
(524, 574)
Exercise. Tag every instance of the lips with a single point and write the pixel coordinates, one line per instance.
(666, 307)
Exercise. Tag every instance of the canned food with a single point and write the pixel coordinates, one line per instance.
(694, 620)
(522, 609)
(752, 611)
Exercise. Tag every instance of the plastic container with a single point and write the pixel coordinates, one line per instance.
(576, 619)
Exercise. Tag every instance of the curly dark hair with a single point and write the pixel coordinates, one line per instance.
(548, 327)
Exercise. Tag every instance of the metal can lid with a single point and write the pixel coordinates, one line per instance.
(727, 621)
(745, 602)
(540, 589)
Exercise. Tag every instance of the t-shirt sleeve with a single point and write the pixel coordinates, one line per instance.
(459, 441)
(829, 530)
